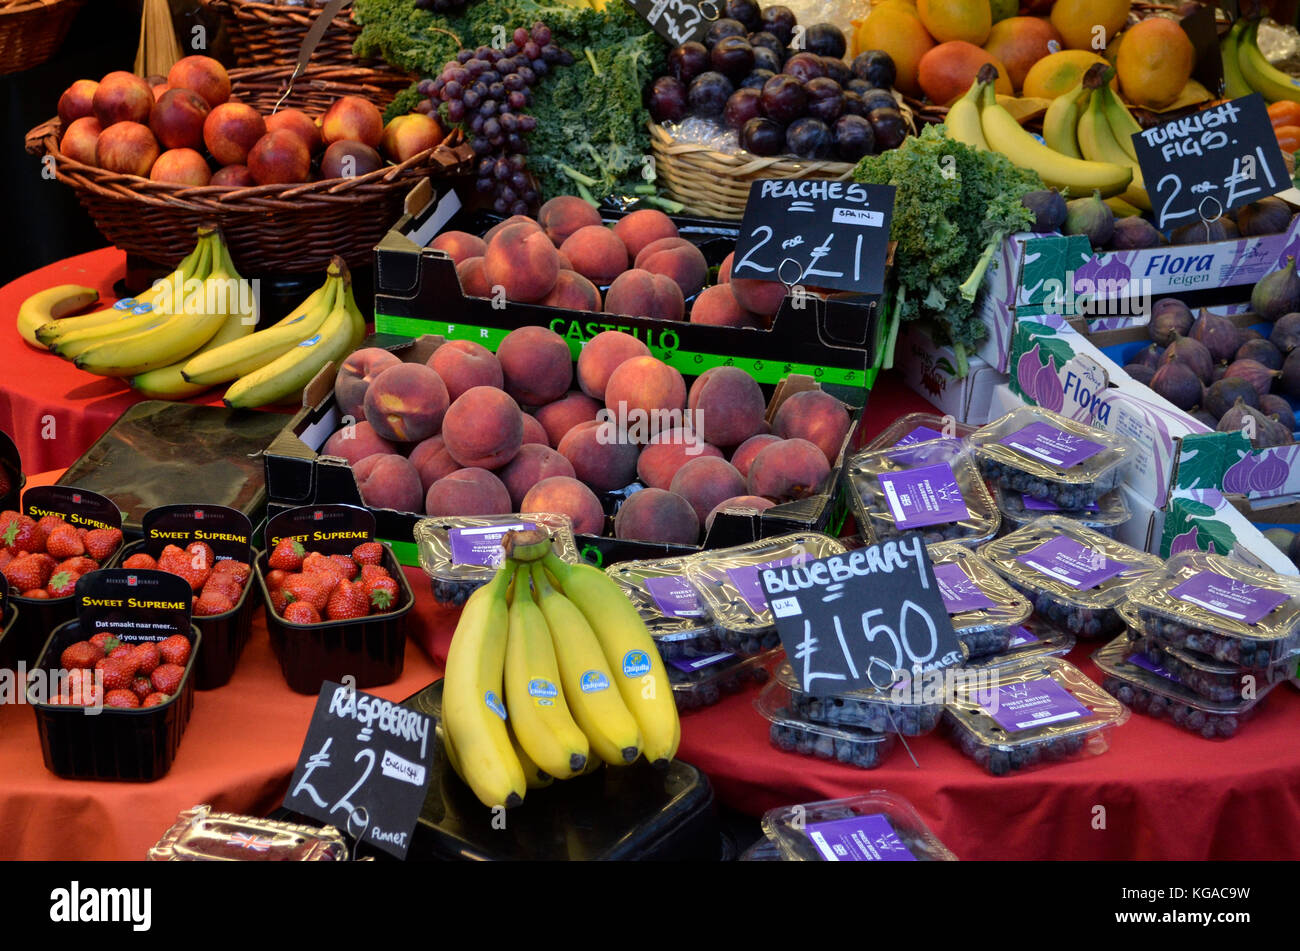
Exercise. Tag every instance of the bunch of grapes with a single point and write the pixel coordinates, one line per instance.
(486, 91)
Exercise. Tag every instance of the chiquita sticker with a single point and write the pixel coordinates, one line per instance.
(636, 663)
(593, 681)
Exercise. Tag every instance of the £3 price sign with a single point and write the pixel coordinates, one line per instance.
(679, 21)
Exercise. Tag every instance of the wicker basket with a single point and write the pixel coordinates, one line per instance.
(271, 34)
(31, 30)
(293, 228)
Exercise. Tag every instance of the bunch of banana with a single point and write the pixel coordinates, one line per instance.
(1105, 132)
(550, 674)
(53, 303)
(1246, 70)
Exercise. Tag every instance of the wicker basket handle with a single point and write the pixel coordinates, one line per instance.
(309, 43)
(34, 142)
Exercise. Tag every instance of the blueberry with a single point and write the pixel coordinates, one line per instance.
(999, 763)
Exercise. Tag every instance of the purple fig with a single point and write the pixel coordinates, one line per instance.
(1261, 351)
(1237, 478)
(1149, 357)
(1134, 234)
(1270, 404)
(1277, 293)
(1221, 229)
(1048, 392)
(1254, 373)
(1250, 333)
(1262, 431)
(1286, 333)
(1205, 418)
(1194, 354)
(1184, 542)
(1220, 396)
(1266, 216)
(1270, 474)
(1219, 334)
(1289, 381)
(1027, 368)
(1091, 217)
(1170, 318)
(1140, 372)
(1048, 208)
(1220, 371)
(1178, 384)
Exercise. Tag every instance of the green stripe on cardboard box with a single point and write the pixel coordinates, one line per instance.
(405, 552)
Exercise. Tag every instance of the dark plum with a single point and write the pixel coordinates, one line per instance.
(879, 99)
(860, 86)
(825, 39)
(757, 79)
(709, 93)
(784, 99)
(746, 12)
(825, 100)
(853, 138)
(688, 61)
(764, 58)
(854, 106)
(723, 28)
(889, 127)
(667, 100)
(808, 138)
(804, 67)
(733, 57)
(763, 137)
(768, 41)
(837, 69)
(876, 67)
(1261, 351)
(779, 21)
(743, 105)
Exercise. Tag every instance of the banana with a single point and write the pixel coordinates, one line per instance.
(631, 654)
(1062, 118)
(1261, 75)
(536, 777)
(53, 303)
(358, 319)
(538, 714)
(472, 709)
(1098, 144)
(588, 684)
(1234, 83)
(964, 119)
(1122, 124)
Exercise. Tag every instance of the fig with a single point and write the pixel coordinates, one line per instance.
(1266, 216)
(1140, 372)
(1254, 373)
(1261, 351)
(1049, 393)
(1027, 368)
(1285, 334)
(1289, 381)
(1220, 396)
(1220, 371)
(1250, 333)
(1092, 217)
(1219, 334)
(1134, 234)
(1270, 404)
(1262, 431)
(1270, 474)
(1202, 232)
(1277, 293)
(1170, 318)
(1149, 356)
(1293, 550)
(1205, 418)
(1177, 383)
(1048, 208)
(1237, 477)
(1194, 354)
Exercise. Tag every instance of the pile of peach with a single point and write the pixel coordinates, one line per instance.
(178, 129)
(640, 267)
(477, 433)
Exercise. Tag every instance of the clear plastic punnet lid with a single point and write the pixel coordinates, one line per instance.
(1032, 637)
(1127, 662)
(1214, 679)
(1019, 509)
(1071, 564)
(728, 582)
(975, 595)
(665, 599)
(932, 487)
(877, 826)
(794, 733)
(912, 708)
(919, 427)
(467, 548)
(764, 850)
(201, 835)
(1052, 451)
(701, 681)
(1225, 597)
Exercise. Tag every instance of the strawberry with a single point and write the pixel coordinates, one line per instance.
(140, 561)
(347, 566)
(63, 543)
(21, 534)
(368, 553)
(275, 579)
(236, 569)
(149, 656)
(167, 678)
(106, 641)
(316, 563)
(81, 565)
(201, 555)
(287, 555)
(6, 556)
(49, 523)
(62, 584)
(25, 573)
(38, 593)
(381, 593)
(175, 650)
(119, 670)
(308, 587)
(169, 557)
(121, 698)
(82, 654)
(211, 602)
(196, 577)
(81, 689)
(301, 612)
(347, 601)
(102, 542)
(279, 602)
(155, 699)
(370, 572)
(225, 584)
(141, 687)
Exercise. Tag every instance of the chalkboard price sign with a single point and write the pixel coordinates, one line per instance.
(679, 21)
(869, 618)
(1210, 162)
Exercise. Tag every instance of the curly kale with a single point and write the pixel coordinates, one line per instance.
(953, 206)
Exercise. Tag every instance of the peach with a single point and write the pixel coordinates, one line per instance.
(522, 260)
(565, 214)
(407, 136)
(537, 364)
(122, 97)
(758, 297)
(786, 470)
(565, 496)
(181, 167)
(572, 291)
(351, 117)
(724, 269)
(600, 357)
(432, 461)
(355, 442)
(660, 244)
(483, 428)
(512, 220)
(639, 293)
(355, 376)
(161, 89)
(406, 403)
(816, 416)
(654, 515)
(730, 405)
(641, 227)
(78, 101)
(79, 141)
(744, 455)
(467, 492)
(279, 158)
(232, 176)
(559, 417)
(741, 504)
(705, 481)
(717, 307)
(389, 482)
(647, 385)
(598, 458)
(126, 147)
(669, 451)
(470, 275)
(535, 432)
(463, 365)
(684, 263)
(531, 465)
(300, 124)
(230, 130)
(204, 75)
(459, 245)
(349, 159)
(596, 253)
(177, 119)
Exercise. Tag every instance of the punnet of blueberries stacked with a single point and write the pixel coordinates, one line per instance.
(793, 732)
(1104, 516)
(704, 686)
(783, 88)
(676, 623)
(876, 711)
(1214, 680)
(982, 630)
(903, 829)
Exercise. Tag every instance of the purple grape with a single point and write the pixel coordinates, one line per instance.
(527, 123)
(532, 50)
(452, 90)
(486, 167)
(541, 33)
(488, 107)
(552, 54)
(508, 122)
(456, 111)
(667, 100)
(471, 98)
(424, 106)
(784, 99)
(708, 94)
(508, 194)
(521, 207)
(515, 143)
(425, 87)
(517, 100)
(540, 67)
(526, 74)
(519, 181)
(516, 162)
(501, 170)
(480, 145)
(513, 81)
(520, 36)
(512, 49)
(485, 186)
(490, 77)
(476, 67)
(464, 56)
(491, 128)
(501, 206)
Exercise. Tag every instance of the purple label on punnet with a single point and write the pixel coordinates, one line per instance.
(1034, 504)
(1228, 597)
(926, 495)
(1051, 445)
(674, 596)
(746, 580)
(920, 434)
(1146, 663)
(482, 546)
(1020, 636)
(690, 665)
(859, 839)
(1033, 704)
(959, 590)
(1077, 565)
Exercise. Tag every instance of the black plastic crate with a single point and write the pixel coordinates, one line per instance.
(37, 617)
(11, 469)
(8, 649)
